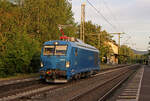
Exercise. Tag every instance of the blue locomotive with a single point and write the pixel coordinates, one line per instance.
(62, 61)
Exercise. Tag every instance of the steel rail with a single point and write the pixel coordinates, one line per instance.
(121, 75)
(113, 88)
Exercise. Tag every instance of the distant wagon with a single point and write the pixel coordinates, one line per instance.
(62, 61)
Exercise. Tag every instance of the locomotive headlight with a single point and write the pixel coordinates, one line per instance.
(67, 64)
(41, 64)
(55, 43)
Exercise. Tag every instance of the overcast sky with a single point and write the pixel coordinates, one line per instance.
(129, 16)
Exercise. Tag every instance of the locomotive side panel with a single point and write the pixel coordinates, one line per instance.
(83, 61)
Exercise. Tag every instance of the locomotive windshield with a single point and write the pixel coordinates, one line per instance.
(55, 50)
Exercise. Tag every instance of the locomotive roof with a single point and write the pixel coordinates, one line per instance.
(77, 43)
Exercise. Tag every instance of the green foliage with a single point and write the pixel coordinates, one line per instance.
(19, 53)
(126, 55)
(90, 29)
(23, 29)
(42, 17)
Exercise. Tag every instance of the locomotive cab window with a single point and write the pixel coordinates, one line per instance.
(61, 50)
(55, 50)
(48, 50)
(76, 52)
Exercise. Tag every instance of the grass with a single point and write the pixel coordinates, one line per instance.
(105, 66)
(20, 76)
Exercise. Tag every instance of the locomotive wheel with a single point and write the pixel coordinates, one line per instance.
(77, 76)
(47, 79)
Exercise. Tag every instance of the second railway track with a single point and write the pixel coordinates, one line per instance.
(100, 92)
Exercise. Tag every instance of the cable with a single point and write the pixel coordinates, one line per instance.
(113, 15)
(101, 14)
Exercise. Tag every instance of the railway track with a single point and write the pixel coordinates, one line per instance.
(131, 91)
(93, 89)
(37, 91)
(100, 92)
(12, 86)
(30, 79)
(9, 85)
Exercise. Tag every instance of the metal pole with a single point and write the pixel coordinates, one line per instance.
(81, 25)
(118, 43)
(99, 40)
(82, 22)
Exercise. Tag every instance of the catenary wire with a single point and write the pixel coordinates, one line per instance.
(101, 14)
(112, 14)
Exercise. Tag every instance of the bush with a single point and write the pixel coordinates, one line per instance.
(19, 55)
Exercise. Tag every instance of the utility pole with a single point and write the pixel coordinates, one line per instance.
(148, 61)
(82, 25)
(149, 46)
(118, 41)
(118, 37)
(99, 39)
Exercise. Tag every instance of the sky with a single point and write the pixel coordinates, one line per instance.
(129, 16)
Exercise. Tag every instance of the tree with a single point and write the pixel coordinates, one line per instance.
(42, 17)
(126, 54)
(90, 29)
(23, 29)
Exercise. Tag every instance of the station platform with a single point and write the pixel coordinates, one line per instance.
(138, 87)
(145, 85)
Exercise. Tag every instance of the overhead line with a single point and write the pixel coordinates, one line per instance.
(113, 16)
(101, 14)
